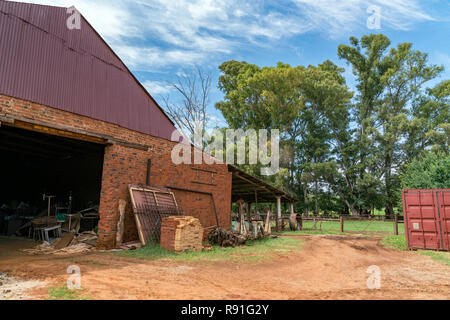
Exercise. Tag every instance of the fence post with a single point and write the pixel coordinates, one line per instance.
(396, 224)
(341, 220)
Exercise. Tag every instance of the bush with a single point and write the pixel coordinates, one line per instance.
(431, 171)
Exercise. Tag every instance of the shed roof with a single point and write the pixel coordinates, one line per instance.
(252, 189)
(44, 62)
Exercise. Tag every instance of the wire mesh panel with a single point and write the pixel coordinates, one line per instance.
(150, 217)
(150, 205)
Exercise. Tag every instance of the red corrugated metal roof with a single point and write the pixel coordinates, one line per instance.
(42, 61)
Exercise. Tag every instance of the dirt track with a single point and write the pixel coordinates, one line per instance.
(327, 267)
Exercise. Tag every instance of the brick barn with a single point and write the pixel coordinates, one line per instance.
(75, 122)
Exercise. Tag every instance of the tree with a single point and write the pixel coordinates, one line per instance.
(389, 84)
(189, 112)
(297, 100)
(429, 171)
(263, 98)
(430, 125)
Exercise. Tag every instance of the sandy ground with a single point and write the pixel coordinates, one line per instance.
(326, 267)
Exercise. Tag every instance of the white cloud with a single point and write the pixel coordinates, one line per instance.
(157, 87)
(188, 32)
(338, 17)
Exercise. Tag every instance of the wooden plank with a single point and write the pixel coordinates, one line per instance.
(64, 241)
(119, 234)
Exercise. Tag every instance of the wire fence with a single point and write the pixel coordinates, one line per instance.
(345, 224)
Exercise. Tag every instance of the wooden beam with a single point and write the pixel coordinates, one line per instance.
(57, 132)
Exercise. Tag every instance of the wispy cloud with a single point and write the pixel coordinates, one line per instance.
(157, 87)
(151, 35)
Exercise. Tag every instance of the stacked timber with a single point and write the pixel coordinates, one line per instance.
(181, 233)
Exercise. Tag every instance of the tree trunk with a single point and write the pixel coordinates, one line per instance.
(353, 210)
(305, 199)
(316, 202)
(389, 210)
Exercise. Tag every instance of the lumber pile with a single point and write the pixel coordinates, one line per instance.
(226, 238)
(181, 233)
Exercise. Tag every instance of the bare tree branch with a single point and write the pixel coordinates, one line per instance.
(188, 112)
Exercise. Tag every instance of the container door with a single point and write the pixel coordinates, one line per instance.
(422, 225)
(443, 201)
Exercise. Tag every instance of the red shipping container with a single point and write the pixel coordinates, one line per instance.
(427, 218)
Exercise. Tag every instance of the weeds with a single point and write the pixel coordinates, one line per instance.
(64, 293)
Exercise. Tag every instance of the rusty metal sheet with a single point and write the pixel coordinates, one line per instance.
(427, 218)
(150, 205)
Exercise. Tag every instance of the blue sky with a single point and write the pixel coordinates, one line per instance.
(160, 39)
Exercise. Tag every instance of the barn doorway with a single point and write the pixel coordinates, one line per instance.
(36, 165)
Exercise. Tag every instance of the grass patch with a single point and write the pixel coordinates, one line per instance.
(438, 256)
(64, 293)
(399, 243)
(395, 242)
(253, 251)
(308, 232)
(350, 227)
(358, 226)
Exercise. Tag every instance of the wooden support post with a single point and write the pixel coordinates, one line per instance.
(248, 207)
(341, 220)
(120, 222)
(292, 217)
(256, 203)
(267, 227)
(396, 224)
(279, 214)
(242, 228)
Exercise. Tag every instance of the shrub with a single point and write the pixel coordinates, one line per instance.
(431, 171)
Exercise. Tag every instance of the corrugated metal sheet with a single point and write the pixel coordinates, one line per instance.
(42, 61)
(427, 218)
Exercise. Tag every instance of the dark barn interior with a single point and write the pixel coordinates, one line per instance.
(37, 165)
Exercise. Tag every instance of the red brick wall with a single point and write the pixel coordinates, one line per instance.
(124, 165)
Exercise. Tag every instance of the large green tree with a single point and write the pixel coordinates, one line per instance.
(389, 84)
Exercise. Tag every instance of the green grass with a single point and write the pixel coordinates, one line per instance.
(253, 251)
(358, 226)
(313, 232)
(366, 228)
(64, 293)
(399, 243)
(395, 242)
(438, 256)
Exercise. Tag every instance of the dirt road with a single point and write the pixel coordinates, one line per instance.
(326, 267)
